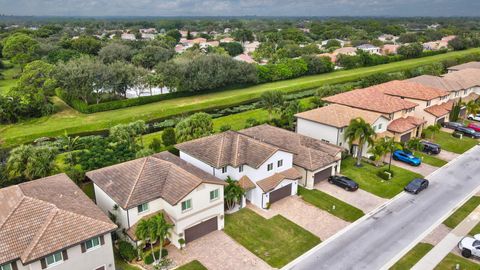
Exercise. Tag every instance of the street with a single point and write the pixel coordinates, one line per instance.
(376, 240)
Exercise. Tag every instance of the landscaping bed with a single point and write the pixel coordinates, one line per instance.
(412, 257)
(461, 213)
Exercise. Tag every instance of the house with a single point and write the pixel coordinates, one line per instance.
(189, 198)
(148, 36)
(448, 38)
(325, 42)
(227, 40)
(369, 48)
(128, 36)
(346, 50)
(388, 38)
(474, 65)
(331, 56)
(250, 47)
(148, 30)
(389, 49)
(316, 160)
(469, 79)
(435, 45)
(265, 171)
(245, 58)
(50, 223)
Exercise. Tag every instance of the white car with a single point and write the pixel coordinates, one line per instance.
(474, 117)
(470, 246)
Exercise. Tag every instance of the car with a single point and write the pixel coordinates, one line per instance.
(468, 132)
(470, 246)
(343, 182)
(416, 185)
(474, 117)
(431, 148)
(452, 125)
(406, 157)
(474, 126)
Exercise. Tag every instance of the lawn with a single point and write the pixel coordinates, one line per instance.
(193, 265)
(366, 176)
(475, 230)
(9, 78)
(120, 264)
(451, 260)
(412, 257)
(74, 122)
(452, 144)
(326, 202)
(461, 213)
(277, 241)
(430, 160)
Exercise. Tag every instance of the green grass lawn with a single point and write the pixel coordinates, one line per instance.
(277, 241)
(9, 78)
(120, 264)
(451, 260)
(193, 265)
(452, 144)
(475, 230)
(326, 202)
(366, 176)
(74, 122)
(412, 257)
(461, 213)
(430, 160)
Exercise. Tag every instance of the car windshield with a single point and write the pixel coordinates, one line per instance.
(416, 182)
(476, 243)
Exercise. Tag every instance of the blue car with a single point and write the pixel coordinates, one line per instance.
(406, 157)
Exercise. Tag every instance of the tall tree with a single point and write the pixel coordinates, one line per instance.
(272, 101)
(31, 162)
(433, 129)
(115, 52)
(360, 133)
(233, 193)
(193, 127)
(20, 49)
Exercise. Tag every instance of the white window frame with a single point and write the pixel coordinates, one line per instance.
(55, 262)
(269, 167)
(379, 126)
(240, 168)
(143, 209)
(93, 247)
(216, 194)
(280, 163)
(224, 169)
(5, 265)
(186, 209)
(429, 102)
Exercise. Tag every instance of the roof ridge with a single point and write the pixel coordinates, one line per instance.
(43, 228)
(220, 149)
(136, 182)
(236, 149)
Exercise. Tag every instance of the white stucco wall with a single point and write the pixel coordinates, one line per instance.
(318, 131)
(106, 204)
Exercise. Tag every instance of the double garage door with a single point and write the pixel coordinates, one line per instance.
(201, 229)
(405, 137)
(280, 193)
(322, 175)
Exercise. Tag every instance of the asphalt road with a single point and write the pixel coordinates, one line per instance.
(373, 242)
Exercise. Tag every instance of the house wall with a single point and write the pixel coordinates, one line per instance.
(106, 204)
(318, 131)
(266, 196)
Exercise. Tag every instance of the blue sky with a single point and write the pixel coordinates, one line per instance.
(241, 7)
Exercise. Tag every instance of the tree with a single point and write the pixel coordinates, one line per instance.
(150, 56)
(361, 133)
(174, 33)
(85, 44)
(378, 151)
(115, 52)
(415, 144)
(390, 146)
(459, 43)
(433, 129)
(318, 65)
(455, 112)
(29, 162)
(472, 107)
(20, 49)
(169, 137)
(233, 193)
(122, 76)
(193, 127)
(233, 48)
(243, 35)
(163, 230)
(128, 133)
(411, 51)
(272, 101)
(333, 43)
(152, 230)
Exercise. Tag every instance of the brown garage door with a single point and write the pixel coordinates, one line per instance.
(201, 229)
(441, 121)
(406, 137)
(280, 193)
(322, 175)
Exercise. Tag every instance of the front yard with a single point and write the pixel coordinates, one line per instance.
(430, 160)
(412, 257)
(452, 144)
(451, 261)
(193, 265)
(366, 176)
(461, 213)
(277, 240)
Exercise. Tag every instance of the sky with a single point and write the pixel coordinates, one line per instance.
(394, 8)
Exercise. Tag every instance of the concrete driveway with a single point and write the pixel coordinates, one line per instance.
(423, 169)
(447, 156)
(361, 199)
(217, 251)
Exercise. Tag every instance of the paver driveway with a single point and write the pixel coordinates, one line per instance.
(217, 251)
(361, 199)
(447, 156)
(423, 169)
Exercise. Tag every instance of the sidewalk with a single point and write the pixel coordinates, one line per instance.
(436, 255)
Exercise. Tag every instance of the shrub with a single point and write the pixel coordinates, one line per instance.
(169, 136)
(385, 174)
(127, 251)
(156, 145)
(148, 258)
(224, 128)
(251, 122)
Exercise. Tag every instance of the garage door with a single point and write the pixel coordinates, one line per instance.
(441, 121)
(201, 229)
(406, 137)
(322, 175)
(280, 193)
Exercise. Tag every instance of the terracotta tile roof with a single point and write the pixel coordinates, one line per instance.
(43, 216)
(308, 153)
(467, 78)
(142, 180)
(440, 109)
(338, 116)
(437, 82)
(372, 99)
(269, 183)
(466, 66)
(413, 90)
(131, 231)
(402, 125)
(229, 148)
(246, 183)
(472, 96)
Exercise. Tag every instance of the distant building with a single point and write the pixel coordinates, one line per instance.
(245, 58)
(250, 47)
(369, 48)
(389, 49)
(128, 36)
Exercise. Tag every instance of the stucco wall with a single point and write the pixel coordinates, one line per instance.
(318, 131)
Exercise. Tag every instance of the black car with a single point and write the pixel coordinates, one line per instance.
(452, 125)
(468, 132)
(431, 148)
(343, 182)
(416, 185)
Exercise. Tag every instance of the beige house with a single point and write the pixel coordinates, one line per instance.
(469, 79)
(50, 223)
(189, 198)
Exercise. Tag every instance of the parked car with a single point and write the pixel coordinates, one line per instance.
(416, 185)
(343, 182)
(468, 132)
(431, 148)
(470, 246)
(474, 117)
(406, 157)
(474, 126)
(451, 125)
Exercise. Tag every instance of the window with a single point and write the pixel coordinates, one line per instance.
(187, 205)
(429, 102)
(341, 130)
(213, 194)
(54, 259)
(240, 168)
(6, 267)
(92, 243)
(224, 169)
(270, 167)
(379, 126)
(280, 163)
(142, 208)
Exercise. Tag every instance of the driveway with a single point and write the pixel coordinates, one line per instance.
(447, 156)
(447, 130)
(423, 169)
(217, 251)
(309, 217)
(361, 199)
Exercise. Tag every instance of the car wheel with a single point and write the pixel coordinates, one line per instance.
(466, 253)
(347, 188)
(330, 181)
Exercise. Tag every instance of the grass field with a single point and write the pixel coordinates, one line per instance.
(451, 261)
(277, 241)
(9, 78)
(461, 213)
(452, 144)
(193, 265)
(74, 122)
(412, 257)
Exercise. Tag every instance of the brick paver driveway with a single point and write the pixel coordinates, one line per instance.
(423, 169)
(217, 251)
(361, 199)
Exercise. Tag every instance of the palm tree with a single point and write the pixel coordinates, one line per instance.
(233, 193)
(31, 162)
(146, 231)
(415, 144)
(472, 107)
(378, 151)
(433, 129)
(390, 146)
(163, 230)
(271, 101)
(361, 132)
